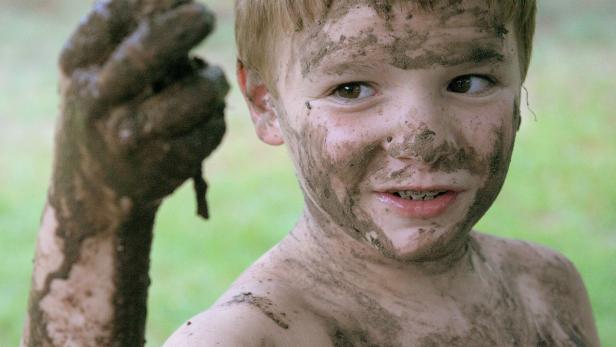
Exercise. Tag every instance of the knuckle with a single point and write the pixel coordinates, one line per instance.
(120, 128)
(80, 89)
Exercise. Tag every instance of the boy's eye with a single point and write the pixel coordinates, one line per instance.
(470, 84)
(353, 91)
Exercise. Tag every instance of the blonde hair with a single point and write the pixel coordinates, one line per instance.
(259, 25)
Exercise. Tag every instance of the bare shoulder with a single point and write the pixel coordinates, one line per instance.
(523, 256)
(548, 282)
(256, 312)
(222, 326)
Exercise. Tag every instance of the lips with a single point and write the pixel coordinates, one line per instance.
(419, 203)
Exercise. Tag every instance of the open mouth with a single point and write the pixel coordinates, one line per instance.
(421, 204)
(419, 195)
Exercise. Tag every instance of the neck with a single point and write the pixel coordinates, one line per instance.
(323, 241)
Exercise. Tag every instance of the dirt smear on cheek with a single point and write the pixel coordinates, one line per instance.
(327, 206)
(498, 166)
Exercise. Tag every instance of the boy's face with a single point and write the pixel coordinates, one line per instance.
(400, 122)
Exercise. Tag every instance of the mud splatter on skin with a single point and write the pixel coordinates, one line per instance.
(399, 52)
(264, 305)
(368, 324)
(407, 50)
(554, 278)
(329, 47)
(449, 56)
(512, 330)
(501, 30)
(383, 8)
(402, 51)
(498, 165)
(317, 170)
(320, 196)
(352, 338)
(445, 157)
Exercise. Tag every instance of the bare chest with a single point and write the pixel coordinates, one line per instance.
(496, 320)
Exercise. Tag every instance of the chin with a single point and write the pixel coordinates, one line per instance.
(423, 244)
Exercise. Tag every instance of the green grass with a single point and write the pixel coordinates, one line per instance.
(560, 191)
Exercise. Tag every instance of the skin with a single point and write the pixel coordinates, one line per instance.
(356, 272)
(138, 117)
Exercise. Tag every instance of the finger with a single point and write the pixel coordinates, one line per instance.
(185, 104)
(104, 28)
(97, 35)
(169, 162)
(183, 155)
(196, 145)
(158, 42)
(148, 8)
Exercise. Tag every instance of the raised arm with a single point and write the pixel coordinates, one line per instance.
(138, 117)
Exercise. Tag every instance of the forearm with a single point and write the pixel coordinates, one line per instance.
(90, 278)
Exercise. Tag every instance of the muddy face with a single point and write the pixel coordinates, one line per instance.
(400, 99)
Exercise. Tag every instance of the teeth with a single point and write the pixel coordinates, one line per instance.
(415, 195)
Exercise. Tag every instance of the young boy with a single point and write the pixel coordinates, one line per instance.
(400, 118)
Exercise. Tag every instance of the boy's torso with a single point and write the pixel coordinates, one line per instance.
(515, 294)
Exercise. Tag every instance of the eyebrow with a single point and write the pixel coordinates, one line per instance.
(454, 54)
(473, 55)
(346, 67)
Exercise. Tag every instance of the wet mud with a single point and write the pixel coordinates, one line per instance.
(119, 152)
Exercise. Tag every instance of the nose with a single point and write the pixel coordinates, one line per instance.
(422, 134)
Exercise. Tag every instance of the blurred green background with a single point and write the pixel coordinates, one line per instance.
(561, 190)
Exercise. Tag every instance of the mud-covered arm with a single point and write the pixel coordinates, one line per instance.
(138, 116)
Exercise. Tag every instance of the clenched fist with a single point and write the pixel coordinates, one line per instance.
(139, 115)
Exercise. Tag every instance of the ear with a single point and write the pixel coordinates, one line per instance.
(259, 100)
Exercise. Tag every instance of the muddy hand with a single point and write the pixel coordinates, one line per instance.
(138, 115)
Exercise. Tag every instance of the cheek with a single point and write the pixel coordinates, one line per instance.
(333, 165)
(352, 136)
(350, 153)
(342, 146)
(480, 128)
(309, 158)
(497, 166)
